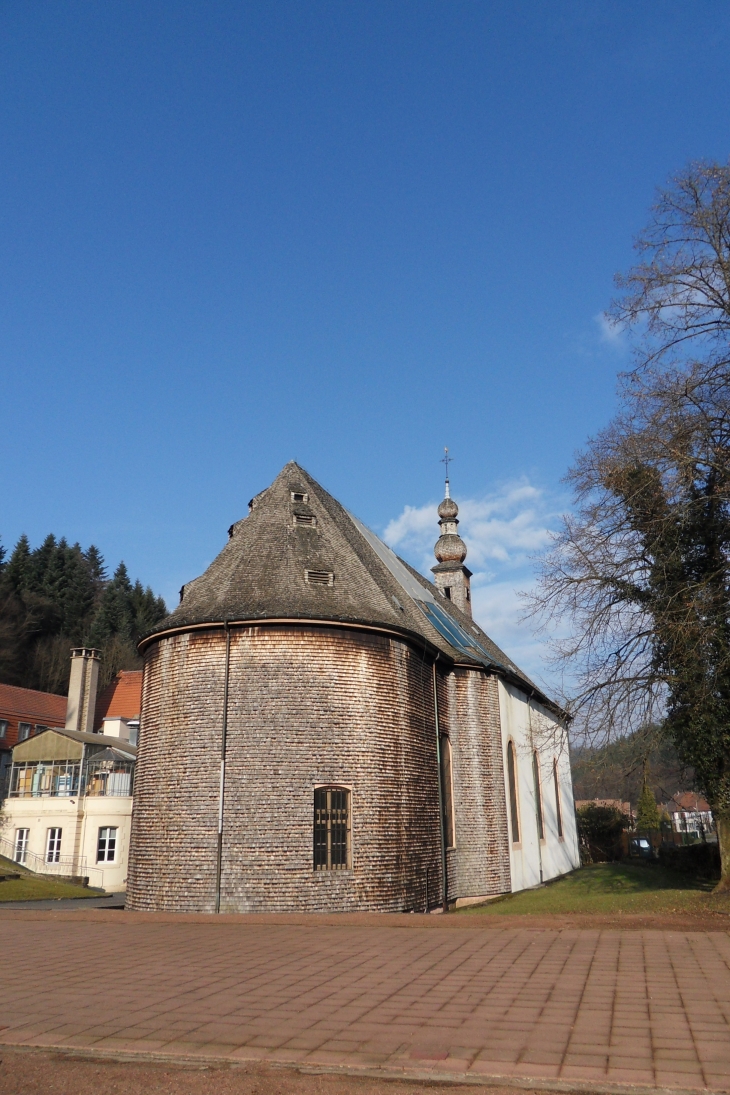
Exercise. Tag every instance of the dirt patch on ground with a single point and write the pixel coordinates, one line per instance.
(39, 1072)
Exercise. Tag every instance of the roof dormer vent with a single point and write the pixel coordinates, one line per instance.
(319, 577)
(307, 520)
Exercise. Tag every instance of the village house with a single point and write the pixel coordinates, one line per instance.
(323, 729)
(690, 813)
(68, 802)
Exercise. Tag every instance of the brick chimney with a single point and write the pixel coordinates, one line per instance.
(82, 686)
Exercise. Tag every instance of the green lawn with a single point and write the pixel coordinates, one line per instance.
(611, 888)
(33, 887)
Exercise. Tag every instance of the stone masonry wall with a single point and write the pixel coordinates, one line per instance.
(307, 706)
(478, 865)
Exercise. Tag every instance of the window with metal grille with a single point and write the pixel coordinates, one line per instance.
(319, 577)
(106, 845)
(307, 520)
(512, 780)
(558, 808)
(332, 829)
(53, 845)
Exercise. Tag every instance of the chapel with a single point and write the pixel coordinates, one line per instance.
(323, 729)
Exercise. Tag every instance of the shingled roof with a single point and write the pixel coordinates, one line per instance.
(299, 555)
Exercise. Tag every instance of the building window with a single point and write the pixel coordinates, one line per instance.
(53, 845)
(21, 846)
(106, 845)
(447, 791)
(538, 795)
(512, 780)
(24, 729)
(3, 727)
(558, 809)
(332, 850)
(447, 592)
(468, 593)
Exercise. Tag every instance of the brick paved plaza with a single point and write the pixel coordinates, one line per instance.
(638, 1007)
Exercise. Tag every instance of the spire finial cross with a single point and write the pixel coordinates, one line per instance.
(446, 459)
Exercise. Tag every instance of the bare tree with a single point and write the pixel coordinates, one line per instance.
(642, 567)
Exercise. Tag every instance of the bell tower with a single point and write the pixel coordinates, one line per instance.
(451, 577)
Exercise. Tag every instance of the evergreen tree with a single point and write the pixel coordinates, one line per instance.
(647, 811)
(16, 571)
(58, 596)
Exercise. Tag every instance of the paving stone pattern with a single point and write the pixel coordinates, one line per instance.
(641, 1007)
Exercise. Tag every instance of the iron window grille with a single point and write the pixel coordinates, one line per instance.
(106, 845)
(53, 845)
(332, 834)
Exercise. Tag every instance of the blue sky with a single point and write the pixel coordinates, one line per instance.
(234, 234)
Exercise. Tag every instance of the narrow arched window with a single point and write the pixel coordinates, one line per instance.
(512, 780)
(558, 810)
(447, 793)
(538, 795)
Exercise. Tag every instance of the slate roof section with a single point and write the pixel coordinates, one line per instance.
(294, 528)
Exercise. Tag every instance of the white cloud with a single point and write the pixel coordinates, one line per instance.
(502, 530)
(610, 332)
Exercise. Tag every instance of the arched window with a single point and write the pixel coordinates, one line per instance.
(512, 780)
(558, 809)
(538, 795)
(332, 844)
(447, 795)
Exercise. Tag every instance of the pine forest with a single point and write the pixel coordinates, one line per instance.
(58, 596)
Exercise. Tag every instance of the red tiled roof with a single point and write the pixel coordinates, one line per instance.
(32, 706)
(689, 801)
(122, 698)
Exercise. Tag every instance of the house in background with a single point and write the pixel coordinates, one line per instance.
(691, 814)
(23, 713)
(69, 790)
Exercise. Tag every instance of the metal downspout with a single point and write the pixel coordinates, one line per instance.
(221, 794)
(444, 878)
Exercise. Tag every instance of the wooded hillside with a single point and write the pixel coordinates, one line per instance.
(58, 596)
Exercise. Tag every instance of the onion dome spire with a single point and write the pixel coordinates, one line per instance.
(451, 576)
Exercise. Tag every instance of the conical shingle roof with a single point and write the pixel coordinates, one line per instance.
(299, 555)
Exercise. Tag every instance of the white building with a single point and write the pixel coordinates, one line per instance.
(69, 798)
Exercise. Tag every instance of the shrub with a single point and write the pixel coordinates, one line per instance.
(699, 860)
(599, 832)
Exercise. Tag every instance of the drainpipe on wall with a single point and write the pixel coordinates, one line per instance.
(445, 881)
(224, 735)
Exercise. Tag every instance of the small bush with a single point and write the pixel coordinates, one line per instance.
(599, 832)
(699, 860)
